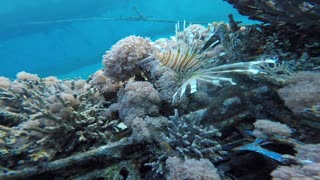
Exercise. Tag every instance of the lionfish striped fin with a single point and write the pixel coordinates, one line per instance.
(177, 60)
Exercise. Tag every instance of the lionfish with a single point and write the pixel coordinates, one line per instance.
(191, 65)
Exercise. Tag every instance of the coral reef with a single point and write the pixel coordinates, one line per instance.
(269, 128)
(304, 14)
(166, 110)
(186, 137)
(192, 140)
(36, 112)
(309, 167)
(105, 85)
(137, 99)
(301, 92)
(120, 61)
(189, 61)
(24, 76)
(191, 169)
(309, 171)
(5, 83)
(308, 152)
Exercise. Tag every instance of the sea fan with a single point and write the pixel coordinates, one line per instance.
(190, 62)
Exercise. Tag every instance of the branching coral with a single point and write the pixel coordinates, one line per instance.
(187, 138)
(43, 117)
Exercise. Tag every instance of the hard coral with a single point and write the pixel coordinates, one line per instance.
(36, 113)
(192, 139)
(120, 61)
(187, 138)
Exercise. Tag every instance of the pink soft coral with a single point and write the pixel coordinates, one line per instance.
(138, 99)
(120, 61)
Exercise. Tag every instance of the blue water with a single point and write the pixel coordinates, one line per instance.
(67, 38)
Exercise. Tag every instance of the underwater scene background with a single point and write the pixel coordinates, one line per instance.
(57, 37)
(160, 89)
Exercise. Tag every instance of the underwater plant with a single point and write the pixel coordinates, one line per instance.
(188, 58)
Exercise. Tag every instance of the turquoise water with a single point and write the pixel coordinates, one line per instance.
(68, 38)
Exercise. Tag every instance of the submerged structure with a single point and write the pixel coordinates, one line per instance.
(227, 101)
